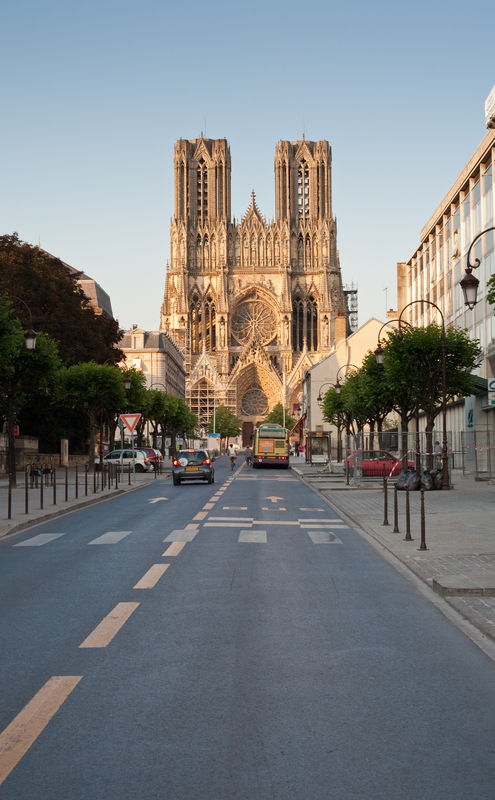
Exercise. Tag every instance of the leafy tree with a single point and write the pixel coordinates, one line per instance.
(24, 374)
(276, 416)
(226, 423)
(58, 305)
(93, 389)
(414, 368)
(159, 408)
(491, 290)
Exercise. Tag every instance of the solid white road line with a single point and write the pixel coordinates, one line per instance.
(37, 541)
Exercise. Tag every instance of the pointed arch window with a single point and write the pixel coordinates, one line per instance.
(202, 189)
(297, 323)
(312, 323)
(210, 325)
(196, 319)
(303, 190)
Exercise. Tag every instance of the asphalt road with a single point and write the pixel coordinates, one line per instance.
(276, 656)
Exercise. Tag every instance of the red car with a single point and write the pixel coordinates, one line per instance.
(154, 456)
(376, 463)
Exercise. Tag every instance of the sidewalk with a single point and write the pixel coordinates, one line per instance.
(20, 520)
(460, 534)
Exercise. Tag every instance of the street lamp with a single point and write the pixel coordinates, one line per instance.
(379, 348)
(127, 383)
(469, 284)
(445, 472)
(29, 335)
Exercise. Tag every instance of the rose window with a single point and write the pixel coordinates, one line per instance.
(254, 316)
(255, 401)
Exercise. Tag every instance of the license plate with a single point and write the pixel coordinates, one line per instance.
(192, 469)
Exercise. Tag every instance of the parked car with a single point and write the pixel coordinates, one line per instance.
(154, 455)
(141, 460)
(375, 463)
(192, 465)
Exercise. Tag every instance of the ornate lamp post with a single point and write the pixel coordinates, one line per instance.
(29, 335)
(469, 284)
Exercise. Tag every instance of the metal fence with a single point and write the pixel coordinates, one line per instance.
(369, 457)
(478, 454)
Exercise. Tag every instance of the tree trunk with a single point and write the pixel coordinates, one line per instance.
(404, 438)
(91, 441)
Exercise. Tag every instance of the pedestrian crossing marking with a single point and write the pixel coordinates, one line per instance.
(192, 526)
(40, 539)
(208, 506)
(151, 578)
(234, 508)
(312, 509)
(231, 519)
(256, 537)
(201, 515)
(112, 537)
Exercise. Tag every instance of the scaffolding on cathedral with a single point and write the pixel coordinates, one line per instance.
(351, 298)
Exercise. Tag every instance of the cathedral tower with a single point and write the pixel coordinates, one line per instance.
(252, 303)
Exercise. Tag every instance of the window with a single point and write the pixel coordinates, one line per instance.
(303, 190)
(487, 179)
(196, 337)
(297, 323)
(202, 186)
(210, 325)
(312, 324)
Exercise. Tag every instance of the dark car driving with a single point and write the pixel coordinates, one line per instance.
(192, 465)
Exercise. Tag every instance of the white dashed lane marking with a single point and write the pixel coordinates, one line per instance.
(37, 541)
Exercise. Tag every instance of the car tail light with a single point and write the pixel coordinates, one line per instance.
(283, 457)
(175, 463)
(206, 461)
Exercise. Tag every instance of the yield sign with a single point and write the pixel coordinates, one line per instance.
(130, 420)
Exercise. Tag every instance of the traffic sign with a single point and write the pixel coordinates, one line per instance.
(130, 421)
(491, 392)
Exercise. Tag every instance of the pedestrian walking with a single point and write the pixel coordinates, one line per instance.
(301, 451)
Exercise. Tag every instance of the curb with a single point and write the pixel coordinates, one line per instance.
(31, 523)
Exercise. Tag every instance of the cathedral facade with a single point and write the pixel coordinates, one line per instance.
(253, 304)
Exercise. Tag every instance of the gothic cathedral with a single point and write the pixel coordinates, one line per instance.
(252, 303)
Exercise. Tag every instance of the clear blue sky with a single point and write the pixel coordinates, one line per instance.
(95, 95)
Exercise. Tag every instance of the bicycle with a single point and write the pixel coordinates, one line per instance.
(232, 462)
(249, 463)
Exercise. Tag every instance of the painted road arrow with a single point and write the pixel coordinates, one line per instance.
(274, 499)
(157, 499)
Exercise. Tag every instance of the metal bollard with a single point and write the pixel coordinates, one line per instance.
(385, 502)
(396, 511)
(129, 474)
(85, 482)
(54, 487)
(94, 478)
(26, 494)
(66, 484)
(423, 523)
(9, 510)
(116, 477)
(408, 537)
(41, 492)
(77, 489)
